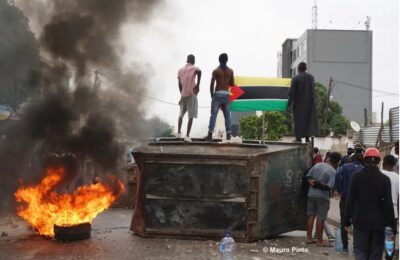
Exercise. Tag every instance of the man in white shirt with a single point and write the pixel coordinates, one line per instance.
(388, 165)
(389, 162)
(395, 153)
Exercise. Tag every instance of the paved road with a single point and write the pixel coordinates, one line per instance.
(111, 239)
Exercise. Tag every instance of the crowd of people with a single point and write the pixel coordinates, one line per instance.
(367, 186)
(368, 189)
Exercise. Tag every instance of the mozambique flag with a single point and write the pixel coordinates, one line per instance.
(255, 93)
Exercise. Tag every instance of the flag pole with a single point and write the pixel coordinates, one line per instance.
(263, 127)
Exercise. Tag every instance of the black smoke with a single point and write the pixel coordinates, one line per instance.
(79, 44)
(86, 33)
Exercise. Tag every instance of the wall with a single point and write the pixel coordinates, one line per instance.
(286, 58)
(345, 56)
(301, 53)
(325, 144)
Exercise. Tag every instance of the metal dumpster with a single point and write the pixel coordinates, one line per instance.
(197, 190)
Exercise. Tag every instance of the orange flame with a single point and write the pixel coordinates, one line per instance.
(43, 208)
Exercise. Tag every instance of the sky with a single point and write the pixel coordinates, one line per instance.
(251, 32)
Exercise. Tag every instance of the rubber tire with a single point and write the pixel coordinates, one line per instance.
(72, 233)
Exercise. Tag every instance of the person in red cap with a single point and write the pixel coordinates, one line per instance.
(369, 208)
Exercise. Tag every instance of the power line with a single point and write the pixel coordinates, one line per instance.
(383, 95)
(361, 87)
(141, 94)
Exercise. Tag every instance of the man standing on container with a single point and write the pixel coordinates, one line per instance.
(223, 77)
(189, 90)
(302, 102)
(321, 179)
(369, 208)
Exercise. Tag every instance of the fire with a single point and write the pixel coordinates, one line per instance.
(42, 207)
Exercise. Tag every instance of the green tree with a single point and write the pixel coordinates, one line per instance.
(157, 127)
(251, 126)
(169, 132)
(19, 56)
(337, 123)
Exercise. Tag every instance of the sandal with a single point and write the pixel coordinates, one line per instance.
(324, 244)
(311, 241)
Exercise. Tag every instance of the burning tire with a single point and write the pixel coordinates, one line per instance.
(72, 233)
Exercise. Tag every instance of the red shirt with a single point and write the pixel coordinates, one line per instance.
(317, 158)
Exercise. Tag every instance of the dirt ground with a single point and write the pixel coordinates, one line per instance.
(112, 239)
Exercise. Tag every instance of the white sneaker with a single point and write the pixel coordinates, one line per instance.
(178, 135)
(187, 139)
(236, 139)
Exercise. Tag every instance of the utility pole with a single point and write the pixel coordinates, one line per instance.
(367, 23)
(365, 118)
(379, 137)
(382, 116)
(390, 127)
(330, 87)
(264, 128)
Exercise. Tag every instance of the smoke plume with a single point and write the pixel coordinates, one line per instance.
(80, 108)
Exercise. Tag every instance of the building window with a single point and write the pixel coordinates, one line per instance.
(303, 47)
(294, 55)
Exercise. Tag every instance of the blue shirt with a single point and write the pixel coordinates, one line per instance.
(325, 173)
(343, 176)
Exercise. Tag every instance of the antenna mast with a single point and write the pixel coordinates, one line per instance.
(367, 23)
(315, 16)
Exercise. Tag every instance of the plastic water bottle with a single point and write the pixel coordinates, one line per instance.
(338, 240)
(389, 241)
(227, 246)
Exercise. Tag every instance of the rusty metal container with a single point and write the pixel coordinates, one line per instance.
(197, 190)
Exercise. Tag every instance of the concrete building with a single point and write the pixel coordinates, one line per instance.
(344, 55)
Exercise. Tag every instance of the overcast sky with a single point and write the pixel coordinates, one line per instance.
(252, 32)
